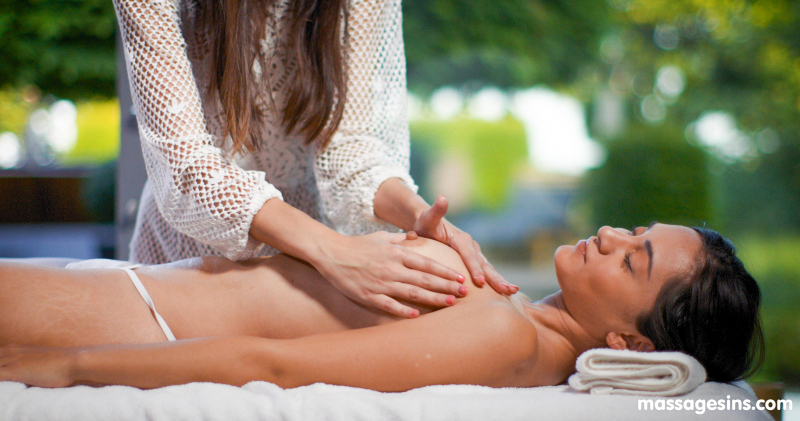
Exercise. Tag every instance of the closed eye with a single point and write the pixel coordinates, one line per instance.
(627, 262)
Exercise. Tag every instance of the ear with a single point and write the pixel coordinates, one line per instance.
(631, 341)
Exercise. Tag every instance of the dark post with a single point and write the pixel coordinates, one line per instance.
(131, 173)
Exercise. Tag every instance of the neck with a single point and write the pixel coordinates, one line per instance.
(553, 320)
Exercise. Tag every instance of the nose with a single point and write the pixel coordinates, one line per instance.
(612, 238)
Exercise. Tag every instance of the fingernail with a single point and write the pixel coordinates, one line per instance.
(460, 279)
(462, 290)
(480, 280)
(450, 300)
(414, 314)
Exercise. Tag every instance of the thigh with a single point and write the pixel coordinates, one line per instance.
(59, 307)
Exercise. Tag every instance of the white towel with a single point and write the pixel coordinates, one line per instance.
(622, 372)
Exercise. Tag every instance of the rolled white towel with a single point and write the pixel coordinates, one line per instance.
(623, 372)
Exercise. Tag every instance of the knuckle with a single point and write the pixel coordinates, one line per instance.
(414, 293)
(363, 293)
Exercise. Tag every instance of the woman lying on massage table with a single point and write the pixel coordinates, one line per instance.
(662, 287)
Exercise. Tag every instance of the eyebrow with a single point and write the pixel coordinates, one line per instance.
(649, 247)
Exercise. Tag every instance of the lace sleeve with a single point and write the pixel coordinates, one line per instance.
(199, 190)
(372, 143)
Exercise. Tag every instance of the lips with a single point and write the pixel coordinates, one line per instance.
(582, 247)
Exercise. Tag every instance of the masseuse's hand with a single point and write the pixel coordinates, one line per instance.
(374, 270)
(36, 366)
(431, 224)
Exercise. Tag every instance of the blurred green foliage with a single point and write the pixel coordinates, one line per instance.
(65, 47)
(762, 195)
(772, 260)
(494, 151)
(14, 111)
(98, 133)
(738, 57)
(506, 43)
(650, 174)
(97, 121)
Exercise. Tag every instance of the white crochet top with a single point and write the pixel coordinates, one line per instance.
(198, 199)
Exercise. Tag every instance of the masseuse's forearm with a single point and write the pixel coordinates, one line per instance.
(291, 231)
(228, 360)
(397, 204)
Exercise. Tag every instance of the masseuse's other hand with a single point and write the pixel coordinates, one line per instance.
(374, 270)
(431, 224)
(36, 366)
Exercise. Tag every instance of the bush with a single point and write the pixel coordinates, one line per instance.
(650, 174)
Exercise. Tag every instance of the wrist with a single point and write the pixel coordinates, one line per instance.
(325, 244)
(397, 204)
(293, 232)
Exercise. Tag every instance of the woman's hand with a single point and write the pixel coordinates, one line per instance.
(37, 366)
(373, 270)
(431, 224)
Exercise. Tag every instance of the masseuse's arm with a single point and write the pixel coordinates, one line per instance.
(370, 269)
(397, 204)
(452, 347)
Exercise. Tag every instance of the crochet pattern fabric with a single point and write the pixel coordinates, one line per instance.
(198, 199)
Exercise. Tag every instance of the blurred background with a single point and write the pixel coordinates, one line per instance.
(540, 120)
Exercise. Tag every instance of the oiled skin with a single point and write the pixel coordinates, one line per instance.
(275, 297)
(279, 298)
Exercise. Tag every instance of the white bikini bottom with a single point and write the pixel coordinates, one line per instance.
(127, 267)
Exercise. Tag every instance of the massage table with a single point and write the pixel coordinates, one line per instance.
(266, 401)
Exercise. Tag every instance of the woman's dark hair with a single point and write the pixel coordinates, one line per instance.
(317, 88)
(711, 314)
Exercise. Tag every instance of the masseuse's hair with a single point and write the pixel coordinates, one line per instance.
(317, 85)
(711, 313)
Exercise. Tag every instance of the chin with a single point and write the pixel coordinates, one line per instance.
(560, 260)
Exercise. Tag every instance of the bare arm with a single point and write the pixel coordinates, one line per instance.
(447, 347)
(370, 269)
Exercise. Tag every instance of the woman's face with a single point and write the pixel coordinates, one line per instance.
(609, 280)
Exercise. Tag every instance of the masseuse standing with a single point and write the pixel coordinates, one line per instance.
(281, 125)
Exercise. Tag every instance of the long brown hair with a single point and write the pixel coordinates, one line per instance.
(317, 87)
